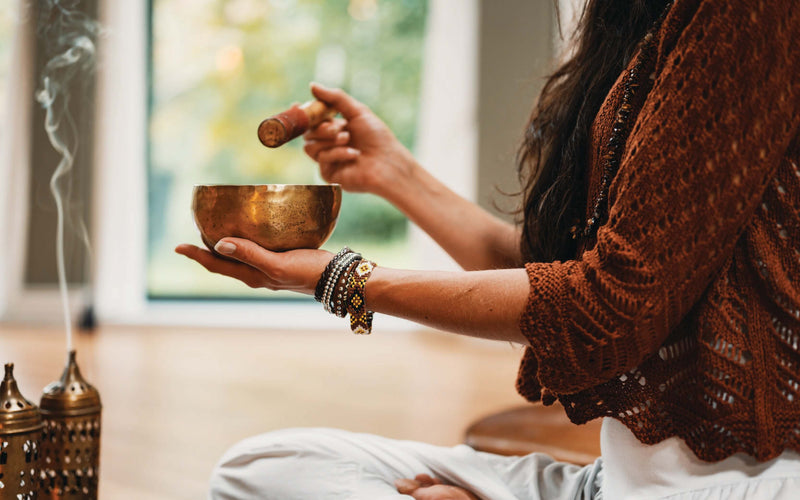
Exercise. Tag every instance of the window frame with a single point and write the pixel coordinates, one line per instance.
(121, 174)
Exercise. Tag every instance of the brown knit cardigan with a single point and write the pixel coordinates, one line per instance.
(682, 318)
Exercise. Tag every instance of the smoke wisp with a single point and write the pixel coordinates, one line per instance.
(69, 38)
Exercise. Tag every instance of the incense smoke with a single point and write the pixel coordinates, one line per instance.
(69, 36)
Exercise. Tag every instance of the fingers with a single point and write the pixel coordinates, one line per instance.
(334, 162)
(251, 254)
(327, 130)
(346, 174)
(425, 487)
(314, 148)
(409, 486)
(426, 480)
(326, 143)
(442, 492)
(406, 486)
(347, 106)
(295, 270)
(338, 155)
(242, 272)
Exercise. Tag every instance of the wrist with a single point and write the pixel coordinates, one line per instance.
(416, 192)
(341, 289)
(399, 178)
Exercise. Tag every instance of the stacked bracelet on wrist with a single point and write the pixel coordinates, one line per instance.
(360, 317)
(340, 289)
(332, 302)
(321, 289)
(326, 290)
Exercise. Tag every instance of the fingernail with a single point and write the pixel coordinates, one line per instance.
(353, 151)
(225, 247)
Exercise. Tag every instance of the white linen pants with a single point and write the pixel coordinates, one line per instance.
(310, 464)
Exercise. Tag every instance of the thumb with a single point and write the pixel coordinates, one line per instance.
(245, 251)
(340, 100)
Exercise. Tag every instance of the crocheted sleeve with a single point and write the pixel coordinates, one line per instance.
(721, 114)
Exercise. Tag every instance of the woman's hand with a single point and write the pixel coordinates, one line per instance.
(359, 151)
(486, 304)
(424, 487)
(296, 270)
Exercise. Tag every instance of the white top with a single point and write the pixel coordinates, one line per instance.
(633, 470)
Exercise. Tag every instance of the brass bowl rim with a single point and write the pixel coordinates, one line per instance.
(258, 198)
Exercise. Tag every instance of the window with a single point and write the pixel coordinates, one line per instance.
(444, 141)
(219, 67)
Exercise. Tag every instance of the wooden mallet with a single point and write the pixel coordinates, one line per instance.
(283, 127)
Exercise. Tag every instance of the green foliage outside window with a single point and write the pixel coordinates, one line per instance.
(219, 67)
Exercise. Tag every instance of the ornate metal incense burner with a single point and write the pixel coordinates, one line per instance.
(20, 431)
(71, 438)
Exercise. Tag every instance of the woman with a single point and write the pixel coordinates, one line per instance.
(654, 278)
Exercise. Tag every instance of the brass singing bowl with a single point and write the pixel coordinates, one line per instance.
(278, 217)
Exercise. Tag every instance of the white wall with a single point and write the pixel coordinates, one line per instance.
(14, 160)
(516, 52)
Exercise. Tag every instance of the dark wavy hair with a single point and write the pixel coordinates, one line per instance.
(553, 158)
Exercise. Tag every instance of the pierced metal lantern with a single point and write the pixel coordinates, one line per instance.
(20, 431)
(71, 437)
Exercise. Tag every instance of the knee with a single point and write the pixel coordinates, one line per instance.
(274, 465)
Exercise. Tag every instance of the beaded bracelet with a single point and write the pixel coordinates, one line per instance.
(339, 269)
(333, 277)
(323, 279)
(332, 273)
(338, 302)
(360, 317)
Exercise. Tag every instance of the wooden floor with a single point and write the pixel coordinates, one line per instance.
(175, 399)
